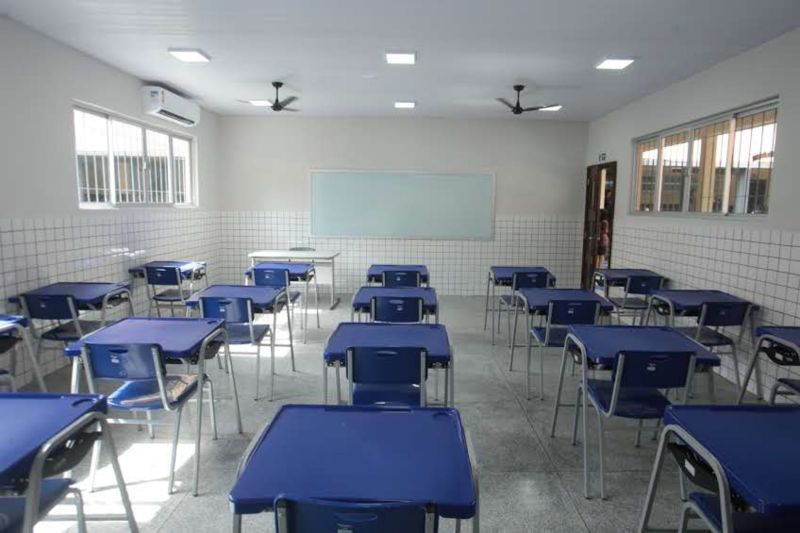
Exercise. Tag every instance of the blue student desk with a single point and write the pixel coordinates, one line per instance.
(263, 298)
(88, 295)
(189, 269)
(605, 278)
(359, 453)
(32, 420)
(179, 338)
(686, 302)
(363, 298)
(769, 338)
(432, 337)
(601, 344)
(753, 447)
(375, 272)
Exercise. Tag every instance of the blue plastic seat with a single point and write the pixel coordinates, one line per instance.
(387, 376)
(401, 278)
(397, 309)
(241, 327)
(715, 315)
(143, 386)
(635, 298)
(560, 315)
(512, 301)
(53, 490)
(314, 516)
(706, 506)
(633, 392)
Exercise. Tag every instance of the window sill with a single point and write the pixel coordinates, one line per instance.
(118, 207)
(734, 218)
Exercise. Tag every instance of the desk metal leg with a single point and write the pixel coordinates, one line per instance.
(233, 387)
(486, 307)
(123, 490)
(653, 484)
(557, 403)
(324, 381)
(237, 523)
(75, 380)
(748, 374)
(337, 365)
(199, 423)
(26, 339)
(334, 299)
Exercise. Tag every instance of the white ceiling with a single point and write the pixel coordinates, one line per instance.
(330, 53)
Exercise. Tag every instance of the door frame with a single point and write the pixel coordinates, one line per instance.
(591, 200)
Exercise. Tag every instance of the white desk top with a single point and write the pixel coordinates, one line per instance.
(294, 254)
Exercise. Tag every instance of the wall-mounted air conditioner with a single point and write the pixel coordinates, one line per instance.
(169, 106)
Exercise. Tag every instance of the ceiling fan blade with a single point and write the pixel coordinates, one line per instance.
(537, 108)
(505, 102)
(287, 101)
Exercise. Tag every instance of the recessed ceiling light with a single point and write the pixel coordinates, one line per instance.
(614, 64)
(552, 108)
(260, 103)
(401, 58)
(189, 55)
(405, 105)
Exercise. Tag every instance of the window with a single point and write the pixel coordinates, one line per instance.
(120, 162)
(720, 165)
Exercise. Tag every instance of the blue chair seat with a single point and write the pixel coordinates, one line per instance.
(708, 337)
(790, 383)
(143, 394)
(386, 394)
(742, 522)
(558, 336)
(511, 300)
(240, 333)
(632, 403)
(68, 332)
(12, 508)
(632, 302)
(172, 295)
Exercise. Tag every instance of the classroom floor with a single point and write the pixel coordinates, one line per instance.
(528, 480)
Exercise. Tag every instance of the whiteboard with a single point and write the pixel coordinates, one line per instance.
(424, 205)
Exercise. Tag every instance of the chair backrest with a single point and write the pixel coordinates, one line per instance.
(315, 516)
(723, 313)
(396, 309)
(163, 275)
(530, 280)
(401, 278)
(386, 365)
(642, 284)
(129, 362)
(271, 277)
(566, 312)
(49, 307)
(654, 370)
(233, 310)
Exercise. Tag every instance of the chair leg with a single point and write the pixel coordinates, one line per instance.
(736, 367)
(316, 299)
(486, 306)
(711, 392)
(601, 448)
(174, 453)
(151, 430)
(79, 512)
(338, 383)
(638, 441)
(96, 450)
(258, 370)
(213, 406)
(272, 374)
(577, 417)
(291, 340)
(528, 369)
(541, 372)
(683, 525)
(682, 485)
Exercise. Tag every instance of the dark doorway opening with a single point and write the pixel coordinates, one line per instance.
(598, 221)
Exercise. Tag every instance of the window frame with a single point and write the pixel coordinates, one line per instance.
(192, 200)
(689, 128)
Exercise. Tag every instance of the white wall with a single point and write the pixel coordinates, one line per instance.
(537, 164)
(40, 81)
(765, 71)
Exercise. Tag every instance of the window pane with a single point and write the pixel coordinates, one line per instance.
(675, 159)
(157, 167)
(753, 155)
(91, 157)
(709, 164)
(182, 170)
(646, 171)
(127, 146)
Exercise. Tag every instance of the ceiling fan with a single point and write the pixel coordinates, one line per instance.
(517, 109)
(278, 104)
